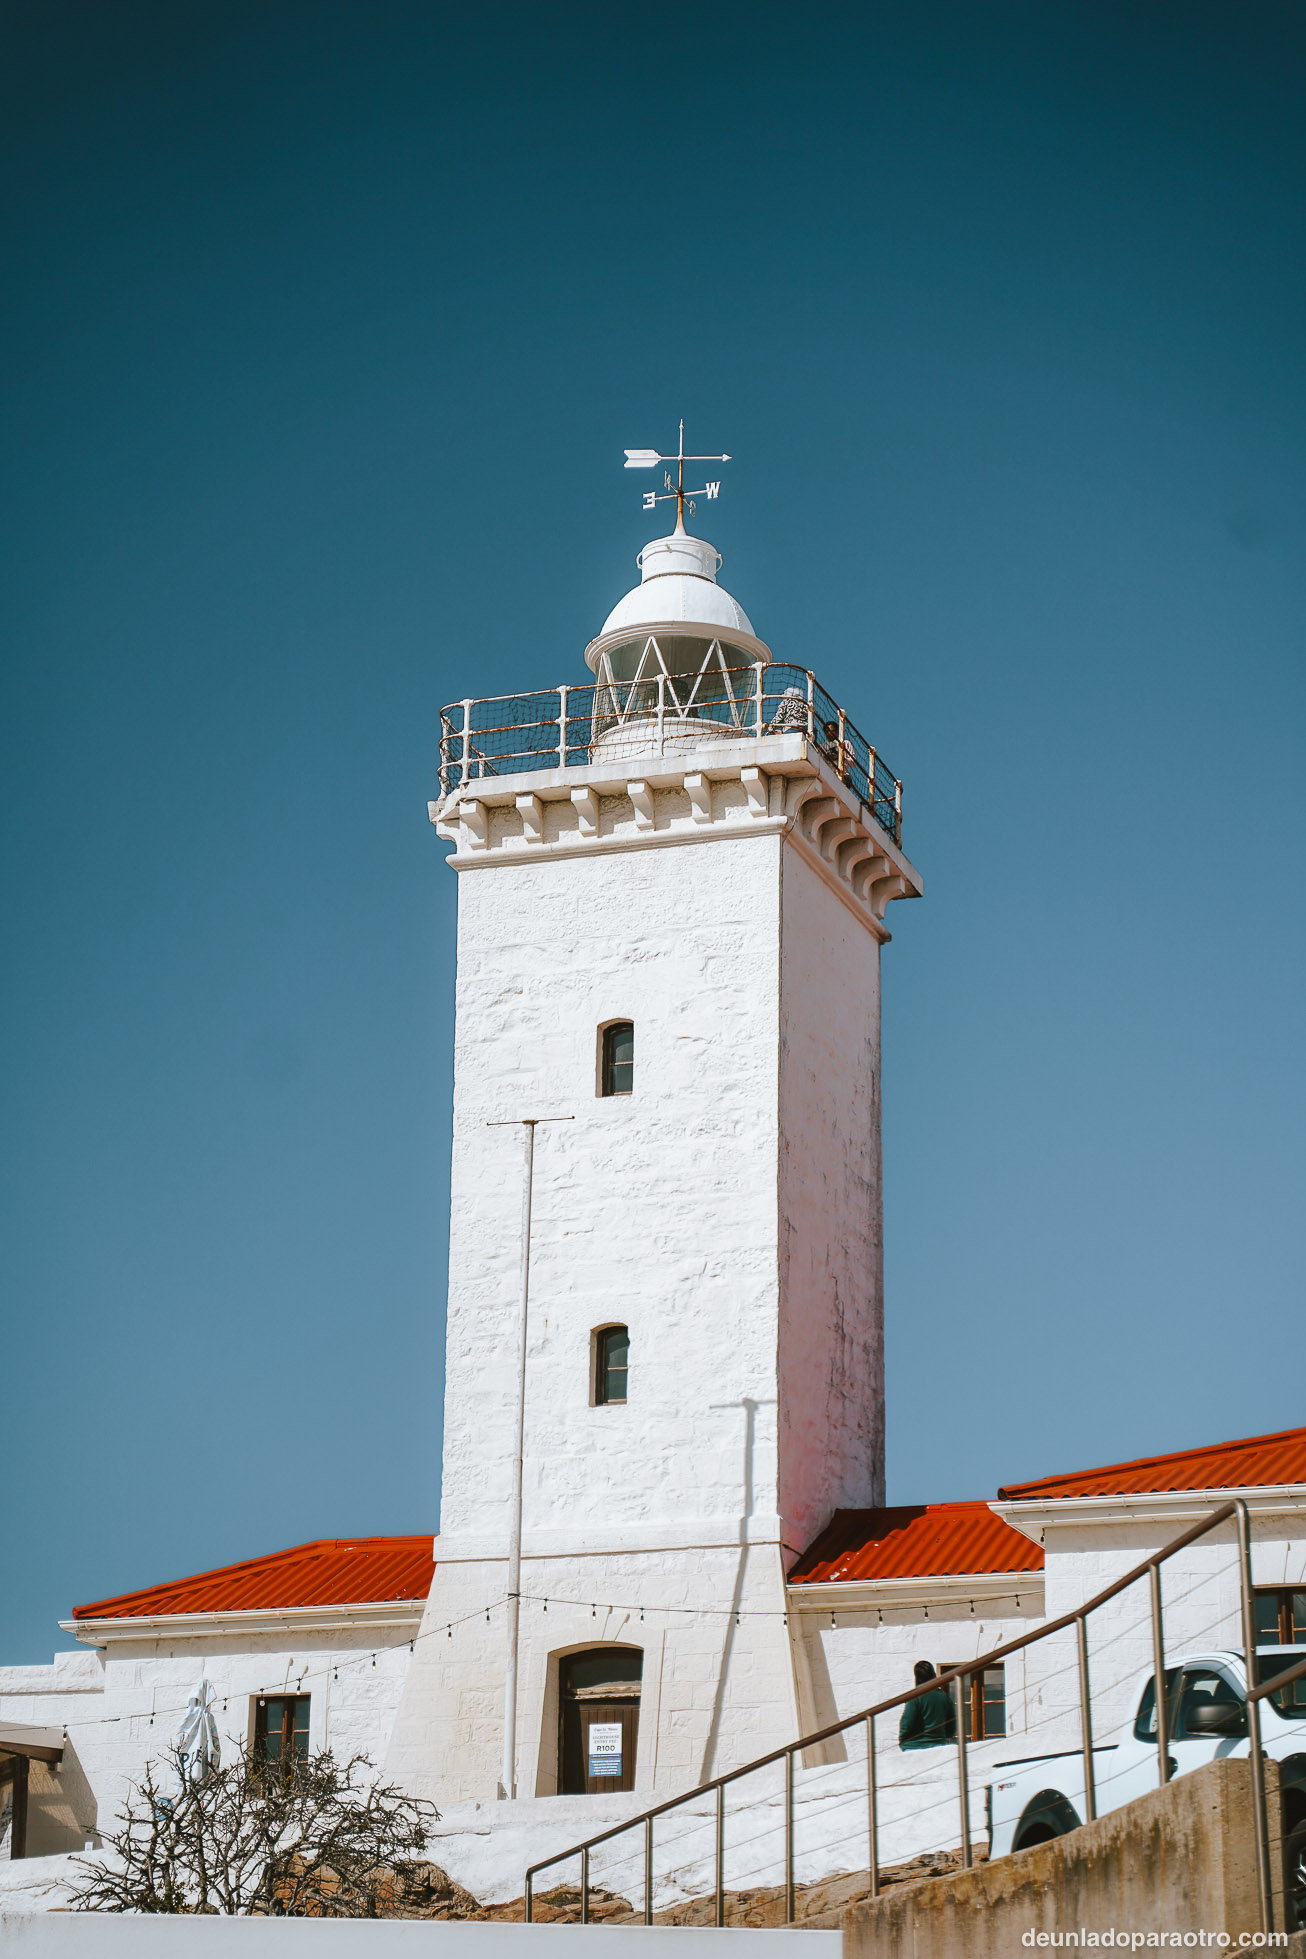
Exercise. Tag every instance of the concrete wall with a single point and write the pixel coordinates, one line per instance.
(74, 1935)
(1180, 1860)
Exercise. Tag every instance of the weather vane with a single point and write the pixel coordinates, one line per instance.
(649, 459)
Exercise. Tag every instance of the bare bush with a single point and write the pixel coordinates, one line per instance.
(308, 1839)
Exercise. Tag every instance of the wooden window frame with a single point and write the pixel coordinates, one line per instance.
(976, 1730)
(599, 1398)
(608, 1032)
(1283, 1597)
(289, 1703)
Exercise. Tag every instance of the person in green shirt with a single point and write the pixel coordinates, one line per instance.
(930, 1720)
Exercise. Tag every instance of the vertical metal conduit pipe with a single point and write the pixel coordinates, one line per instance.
(872, 1810)
(789, 1837)
(1086, 1719)
(1260, 1818)
(720, 1853)
(961, 1696)
(648, 1870)
(585, 1885)
(1158, 1680)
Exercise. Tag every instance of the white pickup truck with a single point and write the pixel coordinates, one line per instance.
(1042, 1796)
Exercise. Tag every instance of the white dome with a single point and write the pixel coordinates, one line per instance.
(678, 584)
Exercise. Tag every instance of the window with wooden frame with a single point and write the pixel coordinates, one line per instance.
(988, 1701)
(611, 1364)
(1281, 1617)
(617, 1058)
(281, 1729)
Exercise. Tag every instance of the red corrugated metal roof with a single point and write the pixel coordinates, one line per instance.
(329, 1571)
(923, 1540)
(1255, 1460)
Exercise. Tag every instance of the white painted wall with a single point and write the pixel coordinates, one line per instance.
(72, 1935)
(831, 1299)
(105, 1699)
(728, 1212)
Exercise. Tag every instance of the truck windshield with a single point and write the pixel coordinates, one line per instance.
(1290, 1701)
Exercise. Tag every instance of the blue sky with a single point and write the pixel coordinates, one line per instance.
(325, 328)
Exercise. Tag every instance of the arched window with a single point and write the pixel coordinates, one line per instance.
(617, 1059)
(611, 1364)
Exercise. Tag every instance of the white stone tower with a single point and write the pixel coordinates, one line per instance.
(692, 854)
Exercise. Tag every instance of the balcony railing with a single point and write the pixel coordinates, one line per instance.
(664, 715)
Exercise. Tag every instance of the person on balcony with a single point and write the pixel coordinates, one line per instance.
(930, 1720)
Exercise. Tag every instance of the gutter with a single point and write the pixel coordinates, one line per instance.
(1032, 1516)
(398, 1615)
(1023, 1589)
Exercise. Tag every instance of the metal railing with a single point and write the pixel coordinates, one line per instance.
(958, 1679)
(568, 727)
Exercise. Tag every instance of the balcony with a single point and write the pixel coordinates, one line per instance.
(667, 715)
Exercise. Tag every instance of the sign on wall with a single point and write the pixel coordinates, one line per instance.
(603, 1746)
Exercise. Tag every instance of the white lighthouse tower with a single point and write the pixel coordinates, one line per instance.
(672, 882)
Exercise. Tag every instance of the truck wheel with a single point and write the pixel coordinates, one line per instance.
(1048, 1814)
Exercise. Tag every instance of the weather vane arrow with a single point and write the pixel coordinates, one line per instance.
(650, 458)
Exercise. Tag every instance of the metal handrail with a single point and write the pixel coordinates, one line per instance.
(566, 727)
(956, 1679)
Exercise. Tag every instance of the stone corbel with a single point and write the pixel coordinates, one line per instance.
(475, 824)
(817, 813)
(641, 799)
(699, 791)
(835, 833)
(884, 889)
(586, 805)
(532, 818)
(801, 792)
(756, 787)
(851, 852)
(867, 874)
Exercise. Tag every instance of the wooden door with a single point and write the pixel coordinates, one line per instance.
(599, 1724)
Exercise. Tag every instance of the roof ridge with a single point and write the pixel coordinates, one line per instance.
(1011, 1492)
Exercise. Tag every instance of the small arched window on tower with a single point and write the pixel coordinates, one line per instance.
(617, 1058)
(611, 1362)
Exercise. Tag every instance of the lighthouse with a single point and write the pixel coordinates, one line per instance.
(673, 873)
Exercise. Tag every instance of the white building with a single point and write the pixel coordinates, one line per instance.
(673, 882)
